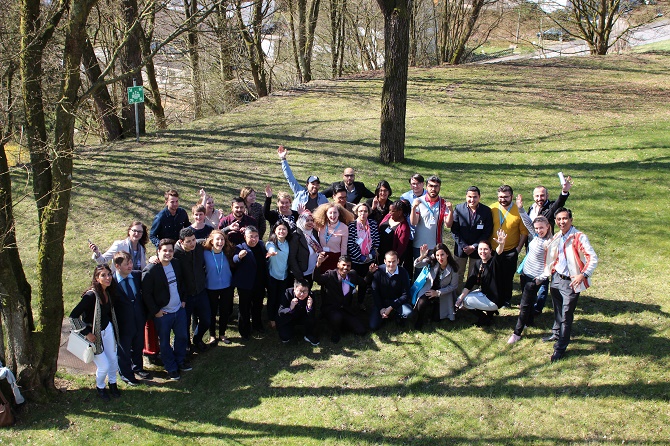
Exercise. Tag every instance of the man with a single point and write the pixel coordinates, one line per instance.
(131, 317)
(169, 221)
(307, 197)
(542, 205)
(390, 292)
(355, 189)
(338, 288)
(506, 216)
(163, 293)
(472, 225)
(296, 307)
(191, 255)
(430, 214)
(416, 183)
(570, 262)
(234, 224)
(340, 197)
(250, 277)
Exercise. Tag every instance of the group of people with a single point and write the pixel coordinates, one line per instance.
(362, 242)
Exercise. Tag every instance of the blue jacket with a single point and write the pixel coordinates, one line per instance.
(166, 225)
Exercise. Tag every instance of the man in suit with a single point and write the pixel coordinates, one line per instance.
(131, 317)
(390, 291)
(355, 189)
(472, 224)
(164, 298)
(543, 206)
(338, 287)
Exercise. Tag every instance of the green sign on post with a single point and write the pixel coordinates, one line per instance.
(135, 95)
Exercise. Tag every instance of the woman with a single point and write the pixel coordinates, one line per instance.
(380, 203)
(304, 248)
(218, 257)
(362, 244)
(97, 312)
(394, 231)
(283, 211)
(532, 275)
(484, 302)
(134, 245)
(254, 209)
(279, 278)
(212, 216)
(332, 220)
(437, 294)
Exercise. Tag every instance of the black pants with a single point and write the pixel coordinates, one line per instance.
(276, 289)
(526, 308)
(221, 303)
(286, 324)
(339, 318)
(505, 276)
(426, 307)
(251, 306)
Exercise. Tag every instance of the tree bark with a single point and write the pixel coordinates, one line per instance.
(131, 62)
(253, 44)
(104, 105)
(394, 91)
(153, 99)
(190, 9)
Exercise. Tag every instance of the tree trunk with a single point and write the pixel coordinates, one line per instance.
(104, 106)
(131, 59)
(253, 43)
(153, 99)
(33, 348)
(190, 9)
(394, 91)
(337, 35)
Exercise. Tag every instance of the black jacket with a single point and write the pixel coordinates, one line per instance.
(193, 268)
(298, 253)
(130, 314)
(360, 191)
(155, 287)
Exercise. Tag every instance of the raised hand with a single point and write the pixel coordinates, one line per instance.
(268, 191)
(282, 152)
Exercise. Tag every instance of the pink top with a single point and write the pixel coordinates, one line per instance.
(334, 238)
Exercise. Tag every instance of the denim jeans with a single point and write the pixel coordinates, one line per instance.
(172, 322)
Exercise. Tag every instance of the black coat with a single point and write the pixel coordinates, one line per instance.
(331, 289)
(155, 287)
(360, 191)
(298, 253)
(130, 315)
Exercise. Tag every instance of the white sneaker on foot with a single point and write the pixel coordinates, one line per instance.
(514, 338)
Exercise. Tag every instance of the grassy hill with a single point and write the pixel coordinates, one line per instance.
(605, 121)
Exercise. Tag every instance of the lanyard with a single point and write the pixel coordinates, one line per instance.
(503, 218)
(219, 266)
(329, 236)
(430, 208)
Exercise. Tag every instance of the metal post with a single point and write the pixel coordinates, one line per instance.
(137, 118)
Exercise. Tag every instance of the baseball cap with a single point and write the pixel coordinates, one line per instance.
(313, 179)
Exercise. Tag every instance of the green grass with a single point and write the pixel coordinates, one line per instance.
(651, 47)
(602, 120)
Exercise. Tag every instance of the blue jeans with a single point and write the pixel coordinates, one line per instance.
(198, 306)
(400, 313)
(172, 322)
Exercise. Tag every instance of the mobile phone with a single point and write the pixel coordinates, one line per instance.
(561, 178)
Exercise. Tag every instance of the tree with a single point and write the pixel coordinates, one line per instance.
(253, 40)
(190, 9)
(303, 42)
(394, 91)
(337, 9)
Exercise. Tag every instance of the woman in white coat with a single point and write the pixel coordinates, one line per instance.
(436, 296)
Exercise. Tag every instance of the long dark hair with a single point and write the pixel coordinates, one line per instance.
(145, 235)
(450, 258)
(273, 237)
(95, 285)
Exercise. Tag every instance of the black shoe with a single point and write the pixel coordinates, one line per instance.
(114, 390)
(225, 340)
(102, 393)
(200, 347)
(313, 341)
(551, 338)
(185, 367)
(130, 381)
(174, 376)
(556, 356)
(143, 374)
(154, 360)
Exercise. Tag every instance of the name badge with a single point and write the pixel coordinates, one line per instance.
(326, 249)
(480, 226)
(359, 241)
(388, 230)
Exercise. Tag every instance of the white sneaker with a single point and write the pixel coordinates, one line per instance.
(313, 342)
(514, 338)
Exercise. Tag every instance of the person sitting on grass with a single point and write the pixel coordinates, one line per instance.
(436, 297)
(390, 292)
(480, 293)
(297, 308)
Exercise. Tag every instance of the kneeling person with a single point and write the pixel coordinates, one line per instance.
(338, 287)
(390, 291)
(297, 308)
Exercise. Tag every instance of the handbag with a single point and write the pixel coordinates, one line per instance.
(6, 414)
(79, 346)
(418, 284)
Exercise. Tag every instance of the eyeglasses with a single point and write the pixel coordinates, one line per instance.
(349, 175)
(137, 231)
(309, 220)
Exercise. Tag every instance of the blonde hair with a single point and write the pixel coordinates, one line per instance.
(321, 219)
